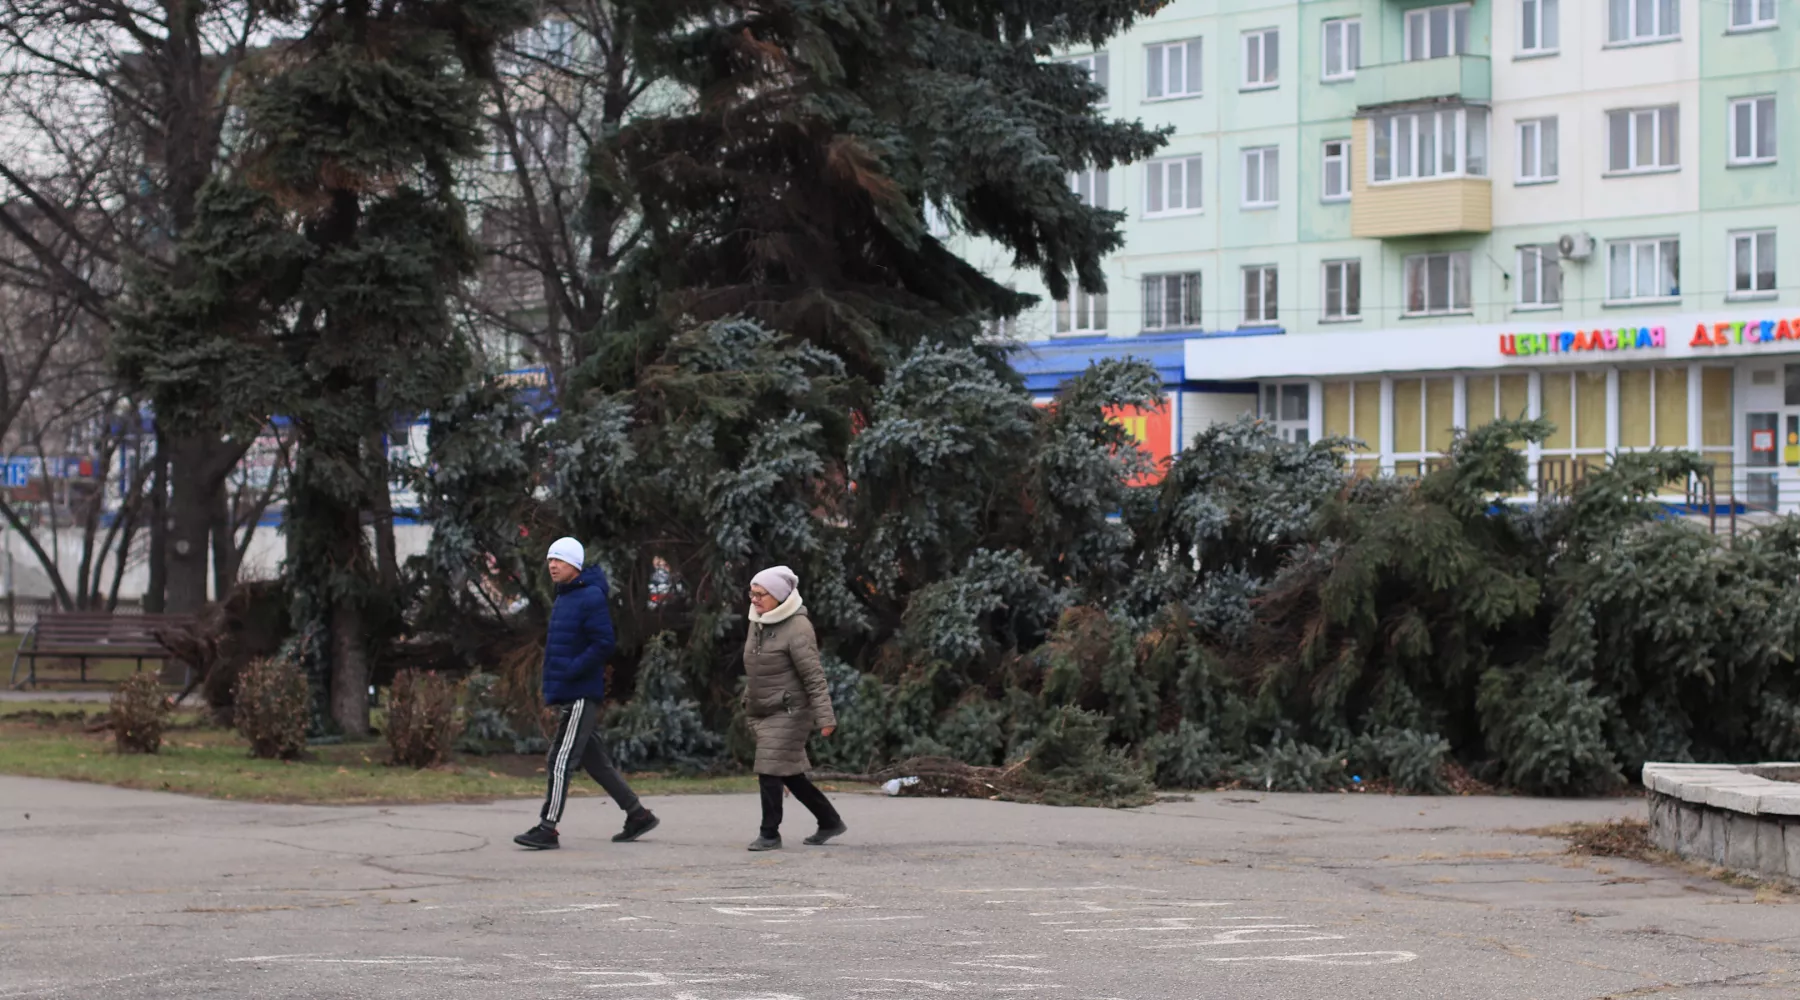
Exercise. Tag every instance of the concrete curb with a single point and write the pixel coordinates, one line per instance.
(1745, 817)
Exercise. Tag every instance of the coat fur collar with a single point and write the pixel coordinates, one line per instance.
(783, 611)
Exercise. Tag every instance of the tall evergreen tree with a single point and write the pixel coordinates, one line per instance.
(788, 188)
(355, 130)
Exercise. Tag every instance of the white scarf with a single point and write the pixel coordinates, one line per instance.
(782, 612)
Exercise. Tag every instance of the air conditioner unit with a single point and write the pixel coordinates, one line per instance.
(1575, 246)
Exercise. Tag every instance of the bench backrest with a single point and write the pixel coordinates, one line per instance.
(90, 628)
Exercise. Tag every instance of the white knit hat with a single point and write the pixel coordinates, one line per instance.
(779, 581)
(568, 550)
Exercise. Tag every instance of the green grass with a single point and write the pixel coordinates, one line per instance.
(216, 764)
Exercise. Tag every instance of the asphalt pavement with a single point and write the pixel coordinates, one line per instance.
(121, 894)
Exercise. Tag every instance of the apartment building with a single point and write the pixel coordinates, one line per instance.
(1388, 220)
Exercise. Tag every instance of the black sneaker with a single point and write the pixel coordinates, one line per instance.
(766, 844)
(636, 825)
(538, 838)
(825, 833)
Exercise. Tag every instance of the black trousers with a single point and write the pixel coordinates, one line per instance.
(804, 790)
(578, 744)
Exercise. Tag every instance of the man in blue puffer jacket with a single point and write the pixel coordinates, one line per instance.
(575, 653)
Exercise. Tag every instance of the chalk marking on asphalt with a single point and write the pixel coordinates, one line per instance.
(577, 908)
(998, 965)
(1057, 888)
(871, 920)
(327, 960)
(1182, 928)
(1329, 958)
(650, 978)
(687, 995)
(1238, 936)
(1155, 904)
(752, 899)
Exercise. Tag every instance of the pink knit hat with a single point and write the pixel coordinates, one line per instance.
(779, 581)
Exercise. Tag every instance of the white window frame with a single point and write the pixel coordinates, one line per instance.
(1156, 186)
(1622, 27)
(1538, 23)
(1457, 16)
(1540, 268)
(1755, 245)
(1662, 118)
(1265, 280)
(1539, 158)
(1762, 14)
(1159, 82)
(1404, 135)
(1091, 186)
(1156, 288)
(1082, 314)
(1099, 68)
(1265, 42)
(1267, 176)
(1348, 305)
(1662, 247)
(1293, 429)
(1340, 160)
(1760, 128)
(1457, 263)
(1347, 47)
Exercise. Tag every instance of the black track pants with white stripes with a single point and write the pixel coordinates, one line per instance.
(577, 744)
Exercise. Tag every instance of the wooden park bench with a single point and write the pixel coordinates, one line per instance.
(93, 635)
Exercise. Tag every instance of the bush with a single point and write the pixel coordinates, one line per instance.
(1189, 757)
(1412, 760)
(488, 720)
(1288, 766)
(422, 720)
(661, 725)
(1071, 765)
(271, 706)
(139, 711)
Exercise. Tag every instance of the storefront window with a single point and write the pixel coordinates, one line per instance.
(1637, 399)
(1289, 407)
(1590, 411)
(1671, 408)
(1716, 427)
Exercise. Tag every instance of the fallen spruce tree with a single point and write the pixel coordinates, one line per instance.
(790, 367)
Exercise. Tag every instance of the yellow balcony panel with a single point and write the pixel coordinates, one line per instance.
(1415, 207)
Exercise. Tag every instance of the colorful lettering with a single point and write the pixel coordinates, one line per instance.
(1509, 342)
(1658, 336)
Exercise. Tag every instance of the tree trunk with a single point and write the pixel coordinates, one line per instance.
(381, 506)
(198, 466)
(225, 559)
(189, 525)
(156, 592)
(349, 668)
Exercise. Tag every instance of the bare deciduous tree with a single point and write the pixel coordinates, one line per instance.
(112, 116)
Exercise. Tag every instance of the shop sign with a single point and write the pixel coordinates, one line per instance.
(1756, 332)
(1624, 338)
(1151, 429)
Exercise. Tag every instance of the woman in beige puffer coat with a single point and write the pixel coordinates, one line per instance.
(785, 696)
